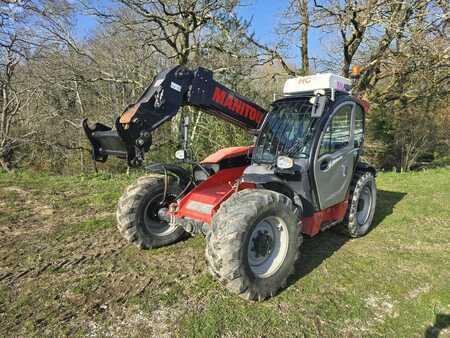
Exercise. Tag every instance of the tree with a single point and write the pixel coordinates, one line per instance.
(11, 104)
(51, 78)
(411, 98)
(296, 21)
(174, 29)
(368, 29)
(15, 96)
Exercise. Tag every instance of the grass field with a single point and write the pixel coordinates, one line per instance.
(64, 270)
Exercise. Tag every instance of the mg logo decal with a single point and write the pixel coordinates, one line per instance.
(304, 80)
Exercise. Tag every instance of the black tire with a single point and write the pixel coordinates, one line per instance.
(137, 212)
(363, 193)
(228, 243)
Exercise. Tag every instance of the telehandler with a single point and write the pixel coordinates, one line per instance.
(302, 175)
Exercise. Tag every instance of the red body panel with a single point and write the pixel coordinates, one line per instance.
(311, 225)
(227, 153)
(209, 194)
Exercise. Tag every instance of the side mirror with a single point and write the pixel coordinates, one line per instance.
(180, 154)
(318, 103)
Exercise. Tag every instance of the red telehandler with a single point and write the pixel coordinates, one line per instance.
(254, 203)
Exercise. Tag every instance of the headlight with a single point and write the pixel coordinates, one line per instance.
(284, 162)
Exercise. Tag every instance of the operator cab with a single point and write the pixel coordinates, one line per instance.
(309, 144)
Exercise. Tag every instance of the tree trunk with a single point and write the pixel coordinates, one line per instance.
(304, 30)
(80, 104)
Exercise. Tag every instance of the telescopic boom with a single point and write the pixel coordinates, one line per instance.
(170, 90)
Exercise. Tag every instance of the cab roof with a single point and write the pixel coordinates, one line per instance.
(311, 83)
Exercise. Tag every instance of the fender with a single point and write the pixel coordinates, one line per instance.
(275, 183)
(183, 176)
(227, 153)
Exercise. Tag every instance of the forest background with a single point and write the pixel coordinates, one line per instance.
(62, 61)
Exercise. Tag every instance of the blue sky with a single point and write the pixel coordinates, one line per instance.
(264, 16)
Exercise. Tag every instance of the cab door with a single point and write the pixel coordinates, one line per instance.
(335, 156)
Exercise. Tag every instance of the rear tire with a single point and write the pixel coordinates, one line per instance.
(254, 243)
(361, 209)
(137, 213)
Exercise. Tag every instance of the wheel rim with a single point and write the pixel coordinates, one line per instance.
(364, 205)
(152, 222)
(268, 246)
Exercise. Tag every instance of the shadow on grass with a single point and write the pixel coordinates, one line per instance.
(386, 201)
(316, 249)
(441, 322)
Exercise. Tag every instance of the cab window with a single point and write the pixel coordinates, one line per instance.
(359, 127)
(337, 134)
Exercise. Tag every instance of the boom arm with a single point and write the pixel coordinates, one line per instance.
(169, 90)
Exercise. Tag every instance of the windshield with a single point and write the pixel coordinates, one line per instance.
(287, 130)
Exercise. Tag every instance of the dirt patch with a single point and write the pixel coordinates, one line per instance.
(15, 189)
(382, 307)
(160, 323)
(418, 291)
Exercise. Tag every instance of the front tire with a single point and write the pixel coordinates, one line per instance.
(254, 243)
(137, 213)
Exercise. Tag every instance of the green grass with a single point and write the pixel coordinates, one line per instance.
(66, 271)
